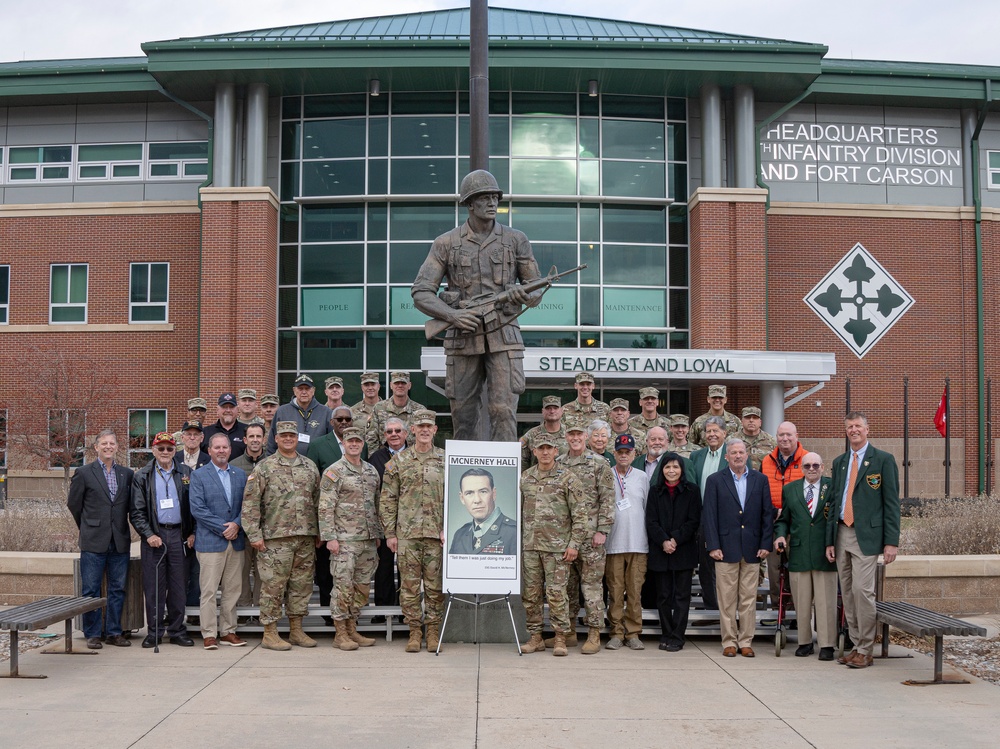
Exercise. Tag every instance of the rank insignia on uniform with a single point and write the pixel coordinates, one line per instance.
(874, 480)
(494, 527)
(479, 542)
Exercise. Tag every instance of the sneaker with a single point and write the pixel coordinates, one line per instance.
(232, 639)
(634, 643)
(211, 643)
(614, 643)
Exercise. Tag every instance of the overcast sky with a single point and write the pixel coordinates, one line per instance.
(959, 31)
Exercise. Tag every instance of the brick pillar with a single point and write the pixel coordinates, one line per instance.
(239, 288)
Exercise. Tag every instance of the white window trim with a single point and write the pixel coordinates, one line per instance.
(149, 436)
(63, 305)
(132, 305)
(990, 171)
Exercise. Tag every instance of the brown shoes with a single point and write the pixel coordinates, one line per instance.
(747, 652)
(232, 639)
(729, 652)
(211, 643)
(860, 661)
(842, 660)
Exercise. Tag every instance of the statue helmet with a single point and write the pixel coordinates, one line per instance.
(476, 183)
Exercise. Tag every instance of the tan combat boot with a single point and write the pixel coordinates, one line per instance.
(360, 639)
(550, 642)
(272, 640)
(535, 645)
(343, 639)
(433, 638)
(413, 646)
(295, 634)
(559, 647)
(593, 643)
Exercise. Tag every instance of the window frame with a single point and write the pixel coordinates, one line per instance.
(64, 415)
(182, 164)
(68, 304)
(40, 165)
(109, 164)
(992, 171)
(4, 421)
(132, 305)
(147, 448)
(5, 294)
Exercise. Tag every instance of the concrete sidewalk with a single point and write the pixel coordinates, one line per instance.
(483, 696)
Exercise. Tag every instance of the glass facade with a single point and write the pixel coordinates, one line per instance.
(367, 183)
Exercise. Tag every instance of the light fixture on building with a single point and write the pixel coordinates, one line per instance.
(374, 87)
(592, 88)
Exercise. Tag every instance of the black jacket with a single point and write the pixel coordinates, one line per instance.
(100, 520)
(676, 518)
(142, 511)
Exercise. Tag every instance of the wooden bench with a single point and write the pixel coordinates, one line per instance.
(40, 614)
(923, 623)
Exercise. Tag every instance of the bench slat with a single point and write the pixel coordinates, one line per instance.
(42, 613)
(923, 622)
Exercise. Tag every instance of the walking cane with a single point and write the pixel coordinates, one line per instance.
(156, 597)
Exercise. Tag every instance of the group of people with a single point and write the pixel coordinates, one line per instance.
(323, 493)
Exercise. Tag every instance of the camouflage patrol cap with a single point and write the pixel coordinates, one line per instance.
(551, 400)
(247, 393)
(256, 421)
(198, 403)
(585, 377)
(751, 411)
(679, 420)
(576, 425)
(352, 433)
(648, 393)
(619, 403)
(545, 439)
(424, 416)
(716, 391)
(284, 427)
(331, 381)
(399, 377)
(270, 398)
(304, 379)
(370, 377)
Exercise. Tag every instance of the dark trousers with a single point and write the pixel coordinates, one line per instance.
(673, 600)
(92, 569)
(193, 597)
(706, 574)
(386, 593)
(164, 582)
(323, 576)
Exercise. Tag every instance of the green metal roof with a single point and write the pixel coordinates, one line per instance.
(95, 79)
(505, 25)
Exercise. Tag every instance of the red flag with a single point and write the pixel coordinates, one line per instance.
(941, 417)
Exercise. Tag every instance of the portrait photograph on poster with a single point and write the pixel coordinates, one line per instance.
(482, 508)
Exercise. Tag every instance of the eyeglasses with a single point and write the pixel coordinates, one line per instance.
(393, 431)
(164, 448)
(810, 466)
(343, 418)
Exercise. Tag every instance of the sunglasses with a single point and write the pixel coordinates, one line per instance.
(164, 448)
(810, 466)
(343, 418)
(393, 431)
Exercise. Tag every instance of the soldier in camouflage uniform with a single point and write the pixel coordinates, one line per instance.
(585, 408)
(412, 513)
(279, 517)
(551, 425)
(679, 443)
(586, 576)
(364, 411)
(649, 399)
(622, 424)
(716, 401)
(399, 404)
(553, 529)
(759, 443)
(348, 524)
(268, 407)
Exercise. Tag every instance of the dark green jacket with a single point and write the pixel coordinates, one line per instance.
(875, 500)
(325, 451)
(805, 534)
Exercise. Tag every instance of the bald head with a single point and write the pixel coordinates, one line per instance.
(787, 437)
(812, 467)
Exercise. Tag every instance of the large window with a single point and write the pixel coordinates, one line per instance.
(148, 292)
(4, 294)
(68, 295)
(110, 161)
(178, 160)
(143, 425)
(67, 437)
(993, 169)
(104, 162)
(39, 163)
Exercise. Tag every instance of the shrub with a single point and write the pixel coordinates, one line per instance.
(27, 525)
(956, 525)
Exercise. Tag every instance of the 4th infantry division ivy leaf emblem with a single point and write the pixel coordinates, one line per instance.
(859, 300)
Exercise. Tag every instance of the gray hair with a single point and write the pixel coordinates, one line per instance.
(398, 422)
(717, 420)
(105, 433)
(733, 441)
(598, 424)
(341, 408)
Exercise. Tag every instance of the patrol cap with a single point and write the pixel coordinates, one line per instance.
(192, 425)
(551, 400)
(198, 403)
(648, 393)
(284, 427)
(679, 420)
(399, 377)
(270, 398)
(370, 377)
(424, 416)
(716, 391)
(304, 379)
(619, 403)
(247, 393)
(585, 377)
(352, 433)
(545, 439)
(227, 399)
(575, 426)
(331, 381)
(256, 421)
(625, 442)
(164, 438)
(751, 411)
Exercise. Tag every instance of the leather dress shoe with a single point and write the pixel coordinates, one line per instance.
(94, 643)
(803, 650)
(211, 643)
(860, 661)
(233, 639)
(729, 652)
(747, 652)
(183, 640)
(151, 641)
(119, 641)
(842, 660)
(826, 654)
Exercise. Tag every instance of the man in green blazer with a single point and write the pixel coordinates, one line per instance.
(866, 484)
(807, 506)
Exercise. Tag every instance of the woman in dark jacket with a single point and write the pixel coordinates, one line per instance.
(673, 513)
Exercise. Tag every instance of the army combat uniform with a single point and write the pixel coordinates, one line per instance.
(685, 451)
(575, 412)
(758, 446)
(382, 412)
(638, 426)
(697, 433)
(279, 508)
(528, 443)
(554, 519)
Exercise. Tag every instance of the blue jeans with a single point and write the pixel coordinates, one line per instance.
(92, 569)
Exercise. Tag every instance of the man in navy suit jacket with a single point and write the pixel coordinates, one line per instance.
(99, 502)
(738, 520)
(216, 498)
